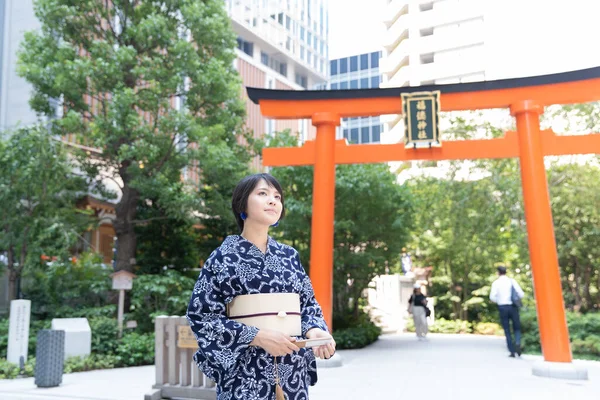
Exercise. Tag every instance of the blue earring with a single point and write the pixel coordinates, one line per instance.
(243, 216)
(275, 224)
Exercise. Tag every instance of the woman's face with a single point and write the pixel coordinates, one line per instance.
(264, 204)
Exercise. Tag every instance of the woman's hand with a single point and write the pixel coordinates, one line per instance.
(325, 351)
(275, 343)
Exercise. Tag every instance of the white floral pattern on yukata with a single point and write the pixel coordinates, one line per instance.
(242, 371)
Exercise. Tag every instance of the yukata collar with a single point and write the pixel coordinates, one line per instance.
(271, 244)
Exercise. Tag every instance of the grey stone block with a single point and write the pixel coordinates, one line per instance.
(558, 370)
(49, 358)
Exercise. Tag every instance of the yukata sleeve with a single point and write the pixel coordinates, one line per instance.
(221, 341)
(312, 314)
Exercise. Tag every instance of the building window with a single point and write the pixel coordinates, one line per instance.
(334, 86)
(347, 134)
(333, 67)
(288, 22)
(426, 32)
(309, 57)
(376, 133)
(302, 81)
(264, 58)
(302, 33)
(354, 84)
(374, 81)
(302, 52)
(364, 83)
(354, 135)
(426, 6)
(364, 135)
(343, 85)
(283, 69)
(375, 60)
(364, 61)
(427, 58)
(246, 47)
(353, 63)
(343, 65)
(308, 38)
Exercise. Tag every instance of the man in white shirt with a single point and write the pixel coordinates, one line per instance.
(501, 294)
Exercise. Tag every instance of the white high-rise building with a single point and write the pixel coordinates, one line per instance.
(456, 41)
(16, 17)
(431, 42)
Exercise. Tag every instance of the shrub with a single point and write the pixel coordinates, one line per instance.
(587, 346)
(488, 328)
(104, 335)
(135, 349)
(11, 371)
(442, 325)
(165, 294)
(356, 337)
(57, 289)
(89, 363)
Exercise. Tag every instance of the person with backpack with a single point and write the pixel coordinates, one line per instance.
(507, 293)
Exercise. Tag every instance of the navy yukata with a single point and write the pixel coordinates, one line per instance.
(241, 371)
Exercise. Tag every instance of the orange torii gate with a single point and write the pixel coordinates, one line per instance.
(525, 97)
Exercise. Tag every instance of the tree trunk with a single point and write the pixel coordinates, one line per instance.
(12, 275)
(124, 229)
(586, 288)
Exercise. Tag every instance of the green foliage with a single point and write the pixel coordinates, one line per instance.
(165, 243)
(583, 332)
(104, 335)
(89, 363)
(3, 337)
(38, 191)
(10, 371)
(164, 294)
(63, 289)
(576, 215)
(356, 337)
(135, 349)
(442, 325)
(488, 328)
(160, 54)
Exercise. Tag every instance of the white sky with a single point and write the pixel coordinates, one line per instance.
(355, 27)
(530, 37)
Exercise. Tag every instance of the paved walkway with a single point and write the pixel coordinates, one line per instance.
(396, 367)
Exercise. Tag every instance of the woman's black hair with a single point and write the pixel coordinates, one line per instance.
(239, 200)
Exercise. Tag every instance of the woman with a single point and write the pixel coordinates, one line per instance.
(244, 361)
(417, 304)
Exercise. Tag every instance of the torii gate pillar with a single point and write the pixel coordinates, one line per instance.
(321, 241)
(554, 335)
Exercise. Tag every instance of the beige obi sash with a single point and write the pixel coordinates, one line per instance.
(276, 311)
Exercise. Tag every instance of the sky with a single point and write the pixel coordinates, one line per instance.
(355, 27)
(529, 37)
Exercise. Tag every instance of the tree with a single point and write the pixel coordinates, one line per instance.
(38, 193)
(149, 88)
(468, 222)
(576, 214)
(372, 223)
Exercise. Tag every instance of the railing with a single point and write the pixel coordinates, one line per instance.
(177, 375)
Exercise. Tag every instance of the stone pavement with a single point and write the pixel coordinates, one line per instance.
(396, 367)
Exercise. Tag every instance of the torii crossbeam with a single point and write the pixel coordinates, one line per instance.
(525, 97)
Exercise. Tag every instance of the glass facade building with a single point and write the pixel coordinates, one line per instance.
(357, 72)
